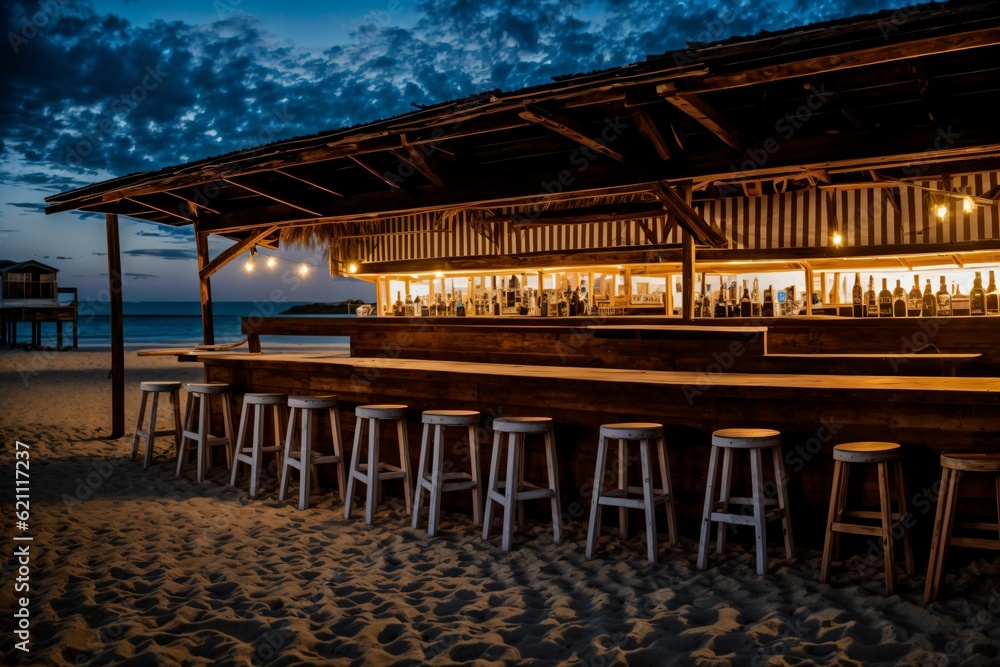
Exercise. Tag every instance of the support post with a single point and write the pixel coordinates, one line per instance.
(809, 290)
(687, 264)
(117, 328)
(207, 322)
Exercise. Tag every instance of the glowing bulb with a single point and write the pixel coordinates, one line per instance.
(968, 205)
(942, 211)
(249, 266)
(271, 261)
(837, 239)
(303, 270)
(352, 268)
(438, 274)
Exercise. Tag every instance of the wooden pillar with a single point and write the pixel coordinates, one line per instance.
(59, 334)
(809, 290)
(117, 328)
(207, 321)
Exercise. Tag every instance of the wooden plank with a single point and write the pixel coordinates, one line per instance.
(687, 217)
(647, 126)
(393, 185)
(281, 200)
(424, 163)
(117, 328)
(570, 129)
(205, 289)
(694, 106)
(312, 184)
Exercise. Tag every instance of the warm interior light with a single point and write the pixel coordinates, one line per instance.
(352, 268)
(942, 211)
(303, 270)
(438, 274)
(968, 205)
(837, 239)
(271, 261)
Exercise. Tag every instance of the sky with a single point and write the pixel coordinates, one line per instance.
(95, 89)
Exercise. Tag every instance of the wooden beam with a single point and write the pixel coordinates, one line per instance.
(257, 191)
(695, 107)
(584, 215)
(205, 289)
(374, 172)
(649, 130)
(687, 217)
(136, 200)
(117, 328)
(313, 184)
(232, 252)
(425, 164)
(570, 129)
(687, 262)
(194, 205)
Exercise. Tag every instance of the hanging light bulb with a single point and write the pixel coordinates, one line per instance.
(942, 211)
(249, 266)
(837, 239)
(352, 267)
(271, 261)
(968, 205)
(303, 269)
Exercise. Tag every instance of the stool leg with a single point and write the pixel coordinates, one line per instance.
(887, 541)
(550, 460)
(477, 490)
(706, 514)
(647, 500)
(494, 474)
(138, 424)
(781, 482)
(278, 413)
(202, 440)
(623, 487)
(374, 428)
(227, 428)
(188, 425)
(239, 443)
(338, 450)
(305, 457)
(842, 507)
(355, 469)
(897, 466)
(175, 399)
(833, 513)
(283, 484)
(759, 527)
(724, 495)
(258, 444)
(418, 499)
(661, 450)
(404, 463)
(595, 498)
(942, 533)
(519, 480)
(510, 491)
(147, 458)
(437, 481)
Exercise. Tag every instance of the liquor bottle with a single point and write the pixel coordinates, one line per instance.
(745, 309)
(977, 296)
(545, 304)
(574, 303)
(915, 298)
(721, 308)
(871, 299)
(397, 308)
(767, 310)
(421, 307)
(584, 301)
(755, 305)
(562, 307)
(992, 298)
(943, 299)
(960, 303)
(899, 300)
(408, 306)
(857, 297)
(459, 306)
(734, 300)
(706, 299)
(496, 305)
(928, 302)
(884, 300)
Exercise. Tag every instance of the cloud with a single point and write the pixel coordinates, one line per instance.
(162, 253)
(64, 258)
(177, 234)
(38, 207)
(99, 254)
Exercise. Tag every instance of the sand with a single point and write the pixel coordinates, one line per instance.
(139, 567)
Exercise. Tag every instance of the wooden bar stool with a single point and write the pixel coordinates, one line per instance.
(642, 433)
(882, 454)
(437, 481)
(173, 390)
(199, 400)
(305, 460)
(375, 472)
(954, 465)
(253, 454)
(753, 440)
(515, 489)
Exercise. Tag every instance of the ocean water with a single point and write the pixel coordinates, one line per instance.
(173, 323)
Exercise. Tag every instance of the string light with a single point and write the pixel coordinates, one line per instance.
(837, 239)
(352, 268)
(303, 270)
(968, 205)
(271, 262)
(942, 211)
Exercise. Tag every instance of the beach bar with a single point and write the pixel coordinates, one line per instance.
(795, 231)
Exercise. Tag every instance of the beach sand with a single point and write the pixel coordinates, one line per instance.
(138, 567)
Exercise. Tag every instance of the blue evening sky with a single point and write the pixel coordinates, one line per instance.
(233, 74)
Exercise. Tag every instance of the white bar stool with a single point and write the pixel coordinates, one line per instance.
(199, 400)
(883, 454)
(651, 497)
(173, 390)
(753, 440)
(305, 460)
(515, 489)
(374, 472)
(252, 455)
(437, 481)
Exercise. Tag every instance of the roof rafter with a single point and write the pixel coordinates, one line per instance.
(687, 217)
(568, 128)
(281, 200)
(695, 107)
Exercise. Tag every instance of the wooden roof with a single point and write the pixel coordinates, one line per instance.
(895, 95)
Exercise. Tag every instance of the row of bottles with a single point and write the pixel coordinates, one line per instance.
(550, 303)
(730, 303)
(943, 303)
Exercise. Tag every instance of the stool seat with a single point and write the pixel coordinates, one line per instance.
(522, 424)
(159, 386)
(867, 452)
(450, 417)
(312, 402)
(632, 431)
(211, 388)
(265, 399)
(386, 411)
(971, 461)
(746, 438)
